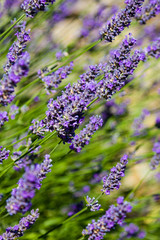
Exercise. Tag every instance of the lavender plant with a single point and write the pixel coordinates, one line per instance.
(86, 122)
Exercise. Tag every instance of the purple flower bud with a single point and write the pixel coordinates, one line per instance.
(94, 206)
(113, 216)
(83, 138)
(20, 200)
(31, 8)
(4, 154)
(112, 181)
(24, 224)
(120, 21)
(149, 11)
(3, 118)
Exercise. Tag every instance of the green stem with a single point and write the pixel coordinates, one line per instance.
(5, 34)
(138, 185)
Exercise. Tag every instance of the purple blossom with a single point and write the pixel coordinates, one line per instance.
(24, 224)
(113, 216)
(3, 118)
(65, 114)
(94, 206)
(120, 66)
(150, 10)
(17, 65)
(132, 230)
(153, 50)
(53, 80)
(112, 181)
(31, 8)
(120, 21)
(83, 138)
(4, 154)
(20, 200)
(26, 160)
(156, 158)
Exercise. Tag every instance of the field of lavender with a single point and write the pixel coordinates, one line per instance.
(79, 119)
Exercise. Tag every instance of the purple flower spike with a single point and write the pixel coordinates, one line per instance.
(4, 154)
(154, 49)
(120, 21)
(120, 66)
(94, 206)
(20, 201)
(24, 224)
(112, 181)
(31, 8)
(155, 161)
(149, 11)
(113, 216)
(3, 118)
(83, 138)
(17, 65)
(53, 80)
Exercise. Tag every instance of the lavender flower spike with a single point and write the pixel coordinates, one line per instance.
(24, 224)
(148, 11)
(94, 206)
(20, 201)
(53, 80)
(31, 7)
(112, 181)
(4, 154)
(114, 215)
(3, 118)
(80, 140)
(121, 20)
(154, 49)
(155, 161)
(121, 64)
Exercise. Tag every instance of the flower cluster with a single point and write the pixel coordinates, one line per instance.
(120, 66)
(156, 158)
(83, 138)
(112, 181)
(153, 50)
(148, 11)
(53, 80)
(120, 21)
(26, 160)
(4, 154)
(31, 8)
(114, 215)
(94, 205)
(132, 230)
(20, 201)
(17, 65)
(24, 224)
(66, 112)
(3, 118)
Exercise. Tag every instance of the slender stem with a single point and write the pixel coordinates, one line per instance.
(138, 185)
(4, 34)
